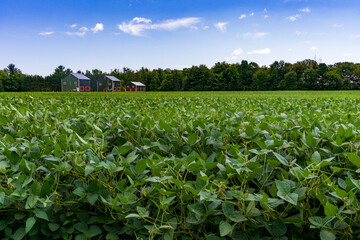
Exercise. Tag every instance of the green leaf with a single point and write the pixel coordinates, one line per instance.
(225, 228)
(81, 237)
(330, 209)
(122, 150)
(168, 200)
(236, 216)
(316, 156)
(4, 165)
(40, 213)
(2, 197)
(19, 234)
(94, 230)
(284, 192)
(327, 235)
(81, 227)
(291, 198)
(142, 212)
(354, 159)
(19, 215)
(283, 188)
(53, 226)
(92, 198)
(198, 208)
(89, 169)
(317, 221)
(112, 236)
(279, 228)
(79, 192)
(140, 166)
(30, 222)
(281, 159)
(228, 209)
(192, 139)
(31, 201)
(310, 140)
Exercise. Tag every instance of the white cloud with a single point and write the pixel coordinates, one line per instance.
(83, 29)
(348, 54)
(206, 27)
(307, 42)
(138, 25)
(265, 10)
(314, 48)
(252, 14)
(221, 26)
(305, 10)
(81, 33)
(141, 20)
(255, 35)
(299, 33)
(237, 53)
(98, 27)
(294, 18)
(260, 51)
(355, 36)
(46, 33)
(73, 25)
(242, 16)
(266, 16)
(338, 25)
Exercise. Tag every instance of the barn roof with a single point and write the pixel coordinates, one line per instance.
(112, 78)
(80, 76)
(138, 84)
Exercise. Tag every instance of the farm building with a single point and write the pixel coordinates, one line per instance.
(75, 82)
(135, 87)
(109, 83)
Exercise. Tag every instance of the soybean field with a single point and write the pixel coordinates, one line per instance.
(194, 165)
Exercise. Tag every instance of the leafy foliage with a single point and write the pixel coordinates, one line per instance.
(179, 166)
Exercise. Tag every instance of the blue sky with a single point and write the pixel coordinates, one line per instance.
(39, 35)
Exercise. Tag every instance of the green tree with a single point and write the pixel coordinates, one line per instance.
(247, 71)
(333, 80)
(167, 83)
(155, 81)
(3, 78)
(217, 76)
(232, 79)
(261, 79)
(289, 82)
(15, 80)
(310, 79)
(277, 73)
(198, 78)
(54, 79)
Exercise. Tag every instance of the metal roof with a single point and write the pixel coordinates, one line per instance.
(112, 78)
(80, 76)
(138, 84)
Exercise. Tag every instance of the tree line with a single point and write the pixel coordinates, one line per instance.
(245, 76)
